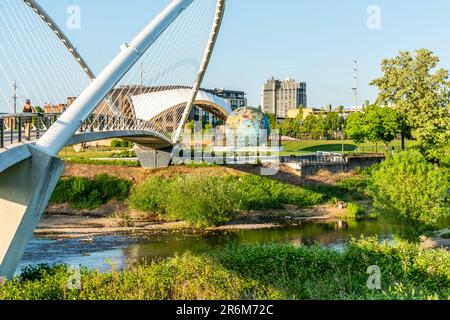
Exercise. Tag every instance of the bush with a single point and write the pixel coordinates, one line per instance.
(211, 201)
(272, 271)
(121, 144)
(151, 196)
(265, 193)
(353, 184)
(124, 154)
(83, 193)
(411, 193)
(356, 211)
(200, 201)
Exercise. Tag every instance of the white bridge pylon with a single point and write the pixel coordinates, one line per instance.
(26, 187)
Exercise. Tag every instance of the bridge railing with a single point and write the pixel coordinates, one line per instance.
(13, 126)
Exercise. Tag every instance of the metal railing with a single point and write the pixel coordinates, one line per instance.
(316, 158)
(17, 128)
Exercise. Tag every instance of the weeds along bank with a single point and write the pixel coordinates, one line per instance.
(202, 200)
(273, 271)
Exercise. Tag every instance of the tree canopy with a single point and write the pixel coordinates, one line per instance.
(413, 85)
(376, 124)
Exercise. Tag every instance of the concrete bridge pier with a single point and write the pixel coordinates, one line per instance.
(154, 158)
(25, 189)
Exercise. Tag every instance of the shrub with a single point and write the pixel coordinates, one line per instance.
(353, 184)
(209, 201)
(121, 144)
(265, 193)
(124, 154)
(83, 193)
(115, 143)
(202, 201)
(151, 196)
(411, 193)
(355, 210)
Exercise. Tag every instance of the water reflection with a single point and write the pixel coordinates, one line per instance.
(120, 250)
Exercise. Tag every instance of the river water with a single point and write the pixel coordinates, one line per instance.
(120, 250)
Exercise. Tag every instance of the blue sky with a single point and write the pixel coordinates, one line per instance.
(310, 40)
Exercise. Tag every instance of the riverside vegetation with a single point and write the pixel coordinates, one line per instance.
(204, 201)
(274, 271)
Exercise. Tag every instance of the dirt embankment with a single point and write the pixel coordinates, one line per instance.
(138, 175)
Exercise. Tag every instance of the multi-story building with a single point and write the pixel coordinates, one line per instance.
(236, 99)
(281, 96)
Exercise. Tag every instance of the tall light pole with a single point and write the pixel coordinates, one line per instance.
(356, 87)
(15, 97)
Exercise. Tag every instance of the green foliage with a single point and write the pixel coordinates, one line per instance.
(332, 123)
(421, 94)
(412, 193)
(121, 144)
(265, 193)
(124, 154)
(200, 201)
(82, 193)
(353, 184)
(119, 163)
(273, 121)
(382, 124)
(376, 125)
(314, 126)
(261, 272)
(354, 127)
(210, 201)
(355, 210)
(151, 196)
(208, 128)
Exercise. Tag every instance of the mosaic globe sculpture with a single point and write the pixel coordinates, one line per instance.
(247, 127)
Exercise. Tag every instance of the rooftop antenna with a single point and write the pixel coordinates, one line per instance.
(356, 87)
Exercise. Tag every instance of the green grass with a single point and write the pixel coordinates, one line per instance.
(92, 153)
(303, 147)
(117, 163)
(267, 272)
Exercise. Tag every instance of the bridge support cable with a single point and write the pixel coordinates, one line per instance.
(36, 54)
(69, 122)
(60, 34)
(220, 11)
(173, 63)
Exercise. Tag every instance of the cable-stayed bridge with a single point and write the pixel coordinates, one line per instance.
(146, 95)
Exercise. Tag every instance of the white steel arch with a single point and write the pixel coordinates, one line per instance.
(61, 36)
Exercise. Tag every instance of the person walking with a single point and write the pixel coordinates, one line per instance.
(27, 119)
